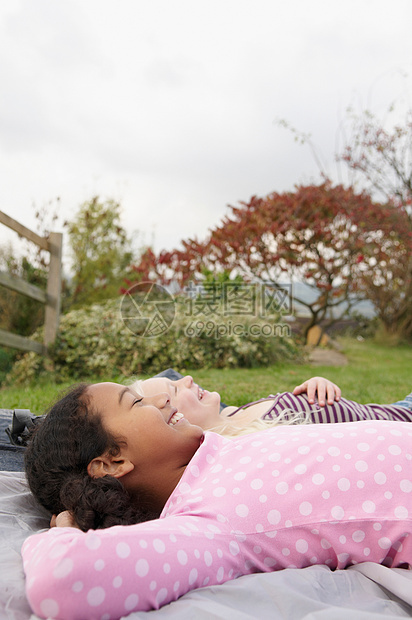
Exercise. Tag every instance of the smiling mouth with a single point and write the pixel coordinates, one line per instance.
(176, 416)
(200, 393)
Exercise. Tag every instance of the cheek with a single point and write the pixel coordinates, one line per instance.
(188, 404)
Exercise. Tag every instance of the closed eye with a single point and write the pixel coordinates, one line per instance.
(138, 400)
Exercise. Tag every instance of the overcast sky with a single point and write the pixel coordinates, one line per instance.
(171, 106)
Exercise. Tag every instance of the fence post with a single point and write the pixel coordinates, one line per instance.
(52, 313)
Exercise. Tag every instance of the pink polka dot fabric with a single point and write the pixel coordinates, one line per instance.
(292, 496)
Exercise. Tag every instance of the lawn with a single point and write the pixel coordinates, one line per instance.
(375, 373)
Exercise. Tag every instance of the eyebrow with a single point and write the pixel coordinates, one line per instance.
(122, 393)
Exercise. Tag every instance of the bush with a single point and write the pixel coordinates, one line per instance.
(94, 342)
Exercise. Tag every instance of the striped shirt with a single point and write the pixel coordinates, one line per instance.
(343, 410)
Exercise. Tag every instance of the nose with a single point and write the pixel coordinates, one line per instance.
(160, 400)
(186, 381)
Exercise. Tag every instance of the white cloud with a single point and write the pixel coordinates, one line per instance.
(170, 105)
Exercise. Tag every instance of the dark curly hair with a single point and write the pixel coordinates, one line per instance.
(58, 453)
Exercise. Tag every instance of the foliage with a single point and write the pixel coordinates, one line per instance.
(318, 233)
(101, 252)
(94, 342)
(375, 373)
(18, 313)
(380, 159)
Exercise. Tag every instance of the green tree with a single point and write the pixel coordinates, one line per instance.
(101, 252)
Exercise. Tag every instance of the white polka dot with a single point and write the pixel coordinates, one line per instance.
(194, 470)
(161, 596)
(380, 477)
(361, 466)
(358, 536)
(275, 473)
(381, 457)
(301, 545)
(210, 459)
(49, 608)
(318, 479)
(343, 484)
(320, 458)
(333, 451)
(395, 450)
(282, 488)
(256, 484)
(406, 486)
(77, 586)
(270, 562)
(245, 460)
(96, 596)
(117, 582)
(159, 545)
(298, 487)
(336, 468)
(240, 475)
(337, 512)
(63, 568)
(396, 433)
(236, 491)
(325, 494)
(166, 568)
(234, 547)
(143, 544)
(285, 551)
(368, 506)
(257, 549)
(360, 484)
(401, 512)
(122, 550)
(398, 468)
(366, 551)
(208, 558)
(363, 447)
(388, 495)
(56, 551)
(342, 557)
(142, 567)
(99, 565)
(274, 517)
(325, 544)
(274, 457)
(342, 540)
(377, 527)
(300, 469)
(242, 510)
(303, 449)
(131, 602)
(263, 498)
(305, 508)
(182, 557)
(338, 435)
(384, 543)
(220, 574)
(92, 541)
(192, 576)
(219, 491)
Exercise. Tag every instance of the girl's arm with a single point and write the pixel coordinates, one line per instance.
(75, 575)
(320, 386)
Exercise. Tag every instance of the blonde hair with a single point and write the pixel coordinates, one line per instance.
(285, 418)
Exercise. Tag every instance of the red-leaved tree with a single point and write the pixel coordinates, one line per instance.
(326, 236)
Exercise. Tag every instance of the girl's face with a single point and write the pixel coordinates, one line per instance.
(153, 436)
(198, 406)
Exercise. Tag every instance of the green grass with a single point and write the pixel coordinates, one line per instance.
(375, 373)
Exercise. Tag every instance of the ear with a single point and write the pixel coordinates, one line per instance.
(109, 465)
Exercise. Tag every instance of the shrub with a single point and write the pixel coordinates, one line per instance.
(94, 342)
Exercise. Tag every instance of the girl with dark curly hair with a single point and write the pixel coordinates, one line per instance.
(193, 508)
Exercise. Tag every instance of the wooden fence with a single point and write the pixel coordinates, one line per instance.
(50, 297)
